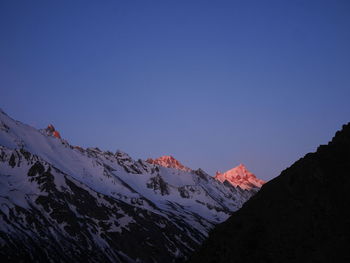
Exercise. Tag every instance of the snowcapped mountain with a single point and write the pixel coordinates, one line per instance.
(240, 177)
(63, 203)
(170, 162)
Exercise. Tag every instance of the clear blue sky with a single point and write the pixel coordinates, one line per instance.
(213, 83)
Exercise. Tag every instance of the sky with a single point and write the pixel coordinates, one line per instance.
(212, 83)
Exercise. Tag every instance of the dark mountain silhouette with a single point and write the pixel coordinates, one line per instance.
(303, 215)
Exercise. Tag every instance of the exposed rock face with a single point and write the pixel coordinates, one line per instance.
(169, 162)
(50, 130)
(240, 176)
(302, 215)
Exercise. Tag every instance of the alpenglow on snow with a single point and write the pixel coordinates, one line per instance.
(66, 203)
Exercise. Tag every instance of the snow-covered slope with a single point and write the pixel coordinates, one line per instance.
(240, 176)
(86, 204)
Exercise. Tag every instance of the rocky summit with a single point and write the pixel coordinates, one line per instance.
(169, 162)
(240, 177)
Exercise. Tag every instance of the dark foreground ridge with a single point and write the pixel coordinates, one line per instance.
(302, 215)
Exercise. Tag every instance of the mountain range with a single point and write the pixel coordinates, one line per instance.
(64, 203)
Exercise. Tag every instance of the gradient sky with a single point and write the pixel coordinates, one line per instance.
(213, 83)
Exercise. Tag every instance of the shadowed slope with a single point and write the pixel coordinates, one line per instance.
(301, 216)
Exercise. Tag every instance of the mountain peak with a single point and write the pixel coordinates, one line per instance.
(169, 162)
(240, 176)
(50, 130)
